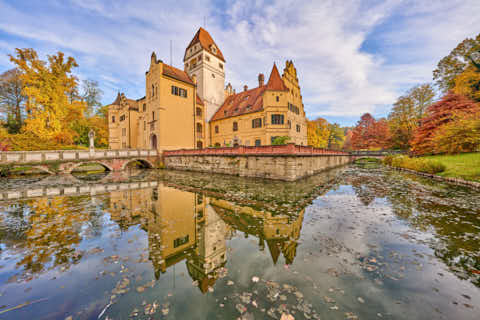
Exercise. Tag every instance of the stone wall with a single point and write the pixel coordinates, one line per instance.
(278, 167)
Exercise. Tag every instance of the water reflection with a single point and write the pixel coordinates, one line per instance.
(193, 227)
(111, 236)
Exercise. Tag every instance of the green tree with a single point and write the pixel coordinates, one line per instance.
(336, 136)
(12, 100)
(456, 62)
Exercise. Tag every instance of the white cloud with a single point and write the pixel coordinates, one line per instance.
(112, 41)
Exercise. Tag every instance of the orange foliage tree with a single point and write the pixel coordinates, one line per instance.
(370, 133)
(452, 106)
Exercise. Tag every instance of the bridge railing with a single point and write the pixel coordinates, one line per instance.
(287, 149)
(72, 155)
(366, 153)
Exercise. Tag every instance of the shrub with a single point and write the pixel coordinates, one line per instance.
(416, 164)
(280, 140)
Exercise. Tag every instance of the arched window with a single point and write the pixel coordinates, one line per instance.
(235, 126)
(199, 127)
(199, 112)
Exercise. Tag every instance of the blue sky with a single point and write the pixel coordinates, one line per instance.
(352, 56)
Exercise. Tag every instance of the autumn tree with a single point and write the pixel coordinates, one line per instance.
(336, 136)
(462, 134)
(468, 83)
(318, 133)
(456, 62)
(347, 144)
(370, 134)
(48, 87)
(450, 107)
(12, 100)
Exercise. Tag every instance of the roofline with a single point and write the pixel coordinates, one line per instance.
(238, 115)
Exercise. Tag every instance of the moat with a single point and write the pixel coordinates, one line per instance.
(351, 243)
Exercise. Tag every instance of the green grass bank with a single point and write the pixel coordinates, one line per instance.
(465, 165)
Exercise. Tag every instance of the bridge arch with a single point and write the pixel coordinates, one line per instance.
(102, 163)
(145, 163)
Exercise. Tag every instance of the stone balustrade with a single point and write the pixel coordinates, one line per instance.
(286, 150)
(91, 189)
(23, 157)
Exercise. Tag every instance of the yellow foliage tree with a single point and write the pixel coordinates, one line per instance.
(468, 83)
(318, 133)
(50, 88)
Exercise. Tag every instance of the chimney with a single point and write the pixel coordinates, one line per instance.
(261, 79)
(245, 88)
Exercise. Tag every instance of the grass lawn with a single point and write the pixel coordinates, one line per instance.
(465, 166)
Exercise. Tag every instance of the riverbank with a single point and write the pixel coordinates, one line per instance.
(464, 166)
(461, 169)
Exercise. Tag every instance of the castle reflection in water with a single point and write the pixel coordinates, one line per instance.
(192, 227)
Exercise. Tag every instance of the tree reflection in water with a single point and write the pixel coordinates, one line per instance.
(452, 213)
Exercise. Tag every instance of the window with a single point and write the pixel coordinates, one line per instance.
(122, 117)
(220, 65)
(153, 115)
(179, 91)
(298, 128)
(155, 194)
(180, 241)
(278, 98)
(277, 118)
(207, 58)
(199, 112)
(144, 125)
(257, 123)
(113, 119)
(235, 126)
(199, 144)
(124, 132)
(258, 143)
(213, 76)
(216, 129)
(153, 90)
(144, 107)
(289, 124)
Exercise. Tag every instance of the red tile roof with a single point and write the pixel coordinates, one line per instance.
(206, 41)
(199, 101)
(175, 73)
(241, 103)
(275, 82)
(251, 100)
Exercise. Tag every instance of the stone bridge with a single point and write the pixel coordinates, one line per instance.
(65, 161)
(380, 154)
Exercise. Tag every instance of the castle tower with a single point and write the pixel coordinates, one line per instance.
(204, 60)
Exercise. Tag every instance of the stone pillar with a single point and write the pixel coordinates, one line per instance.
(91, 141)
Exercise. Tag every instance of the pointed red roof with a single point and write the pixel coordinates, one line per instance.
(206, 42)
(275, 82)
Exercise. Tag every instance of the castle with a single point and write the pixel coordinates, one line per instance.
(192, 108)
